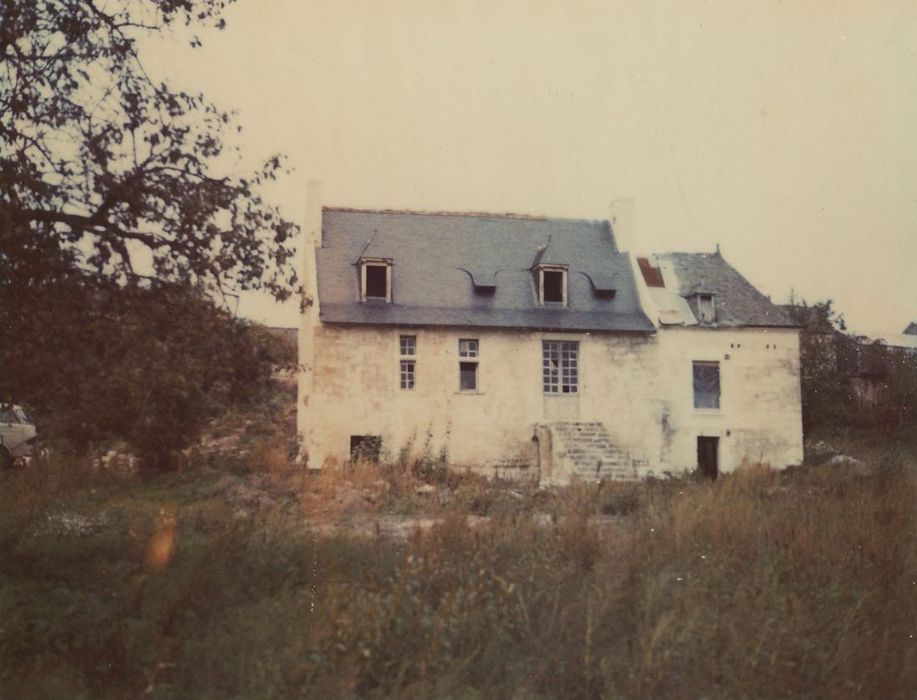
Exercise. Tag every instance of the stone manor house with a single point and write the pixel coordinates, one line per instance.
(534, 347)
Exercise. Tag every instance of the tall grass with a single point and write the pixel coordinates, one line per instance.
(759, 585)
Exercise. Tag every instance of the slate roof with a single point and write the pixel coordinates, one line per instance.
(736, 300)
(437, 259)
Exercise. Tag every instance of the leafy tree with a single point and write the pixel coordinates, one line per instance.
(850, 384)
(102, 164)
(826, 369)
(149, 366)
(116, 201)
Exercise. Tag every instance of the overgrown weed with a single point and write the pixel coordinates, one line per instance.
(762, 584)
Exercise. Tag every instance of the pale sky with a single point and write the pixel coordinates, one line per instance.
(784, 131)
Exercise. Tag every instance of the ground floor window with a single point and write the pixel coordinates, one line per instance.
(468, 376)
(560, 366)
(365, 448)
(407, 374)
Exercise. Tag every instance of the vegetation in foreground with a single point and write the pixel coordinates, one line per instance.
(763, 584)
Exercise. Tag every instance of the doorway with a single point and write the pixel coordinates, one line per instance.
(708, 449)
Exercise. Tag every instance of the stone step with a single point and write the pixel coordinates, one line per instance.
(590, 451)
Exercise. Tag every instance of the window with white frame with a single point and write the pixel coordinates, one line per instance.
(468, 364)
(407, 347)
(376, 280)
(560, 366)
(552, 284)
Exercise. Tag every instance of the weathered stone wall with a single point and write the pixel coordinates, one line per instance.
(356, 392)
(639, 387)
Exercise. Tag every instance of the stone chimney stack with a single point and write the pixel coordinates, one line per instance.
(623, 224)
(309, 320)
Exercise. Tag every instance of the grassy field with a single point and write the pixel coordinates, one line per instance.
(247, 579)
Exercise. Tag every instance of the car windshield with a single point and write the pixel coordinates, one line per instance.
(23, 416)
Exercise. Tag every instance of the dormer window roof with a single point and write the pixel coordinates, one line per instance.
(484, 280)
(604, 283)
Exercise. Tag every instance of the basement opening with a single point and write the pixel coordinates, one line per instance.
(365, 448)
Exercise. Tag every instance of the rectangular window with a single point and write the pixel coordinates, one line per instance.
(468, 348)
(468, 370)
(376, 281)
(407, 374)
(407, 347)
(560, 366)
(553, 285)
(705, 308)
(468, 376)
(366, 448)
(408, 344)
(706, 385)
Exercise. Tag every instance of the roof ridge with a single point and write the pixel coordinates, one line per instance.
(444, 212)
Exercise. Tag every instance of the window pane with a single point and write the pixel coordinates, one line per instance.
(468, 348)
(377, 281)
(569, 352)
(553, 285)
(408, 345)
(407, 374)
(550, 352)
(706, 385)
(468, 376)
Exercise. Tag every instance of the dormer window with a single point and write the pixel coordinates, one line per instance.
(552, 285)
(706, 310)
(376, 280)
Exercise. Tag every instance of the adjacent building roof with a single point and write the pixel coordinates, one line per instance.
(438, 261)
(905, 341)
(736, 301)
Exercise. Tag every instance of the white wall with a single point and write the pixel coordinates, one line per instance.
(760, 415)
(356, 392)
(639, 386)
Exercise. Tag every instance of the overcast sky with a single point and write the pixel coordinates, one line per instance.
(784, 131)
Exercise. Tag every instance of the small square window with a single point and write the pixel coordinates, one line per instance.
(376, 281)
(365, 448)
(468, 376)
(468, 348)
(408, 345)
(407, 374)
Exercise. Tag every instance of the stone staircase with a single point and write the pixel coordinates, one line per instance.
(585, 451)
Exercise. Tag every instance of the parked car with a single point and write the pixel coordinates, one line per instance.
(17, 435)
